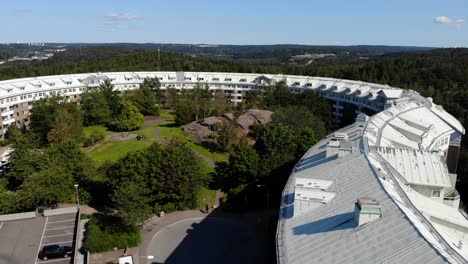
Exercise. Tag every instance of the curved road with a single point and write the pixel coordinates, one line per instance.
(205, 240)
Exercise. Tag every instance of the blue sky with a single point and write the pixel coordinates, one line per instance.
(438, 23)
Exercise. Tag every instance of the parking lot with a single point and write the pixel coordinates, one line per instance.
(21, 240)
(58, 230)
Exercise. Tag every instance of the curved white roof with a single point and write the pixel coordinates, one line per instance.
(409, 125)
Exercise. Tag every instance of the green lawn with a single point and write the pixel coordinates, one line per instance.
(110, 149)
(168, 129)
(88, 131)
(205, 196)
(166, 113)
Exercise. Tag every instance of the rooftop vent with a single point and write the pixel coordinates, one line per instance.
(340, 136)
(366, 210)
(362, 119)
(339, 145)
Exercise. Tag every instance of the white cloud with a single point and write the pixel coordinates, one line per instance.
(443, 20)
(118, 21)
(122, 17)
(457, 23)
(23, 10)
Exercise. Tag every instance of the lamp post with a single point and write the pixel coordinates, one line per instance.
(77, 196)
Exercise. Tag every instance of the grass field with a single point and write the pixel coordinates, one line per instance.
(168, 129)
(112, 150)
(205, 196)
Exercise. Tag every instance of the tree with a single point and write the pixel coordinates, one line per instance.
(144, 99)
(221, 104)
(277, 95)
(178, 174)
(171, 98)
(25, 159)
(242, 167)
(183, 114)
(129, 118)
(227, 136)
(297, 117)
(12, 132)
(95, 108)
(276, 146)
(154, 85)
(43, 116)
(169, 176)
(46, 187)
(112, 97)
(67, 125)
(131, 201)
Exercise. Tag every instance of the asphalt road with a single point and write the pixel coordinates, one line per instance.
(206, 240)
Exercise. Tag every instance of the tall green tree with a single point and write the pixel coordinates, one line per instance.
(46, 187)
(131, 202)
(128, 118)
(67, 125)
(111, 95)
(42, 117)
(96, 111)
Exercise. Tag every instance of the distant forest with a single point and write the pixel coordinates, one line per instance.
(439, 73)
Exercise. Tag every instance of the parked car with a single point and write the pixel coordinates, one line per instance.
(55, 251)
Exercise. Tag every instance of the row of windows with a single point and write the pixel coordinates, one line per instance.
(24, 97)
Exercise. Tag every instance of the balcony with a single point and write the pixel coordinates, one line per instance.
(8, 113)
(338, 106)
(338, 114)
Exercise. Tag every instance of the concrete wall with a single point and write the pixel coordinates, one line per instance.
(61, 211)
(19, 216)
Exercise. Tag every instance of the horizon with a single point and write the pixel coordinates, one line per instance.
(217, 44)
(335, 23)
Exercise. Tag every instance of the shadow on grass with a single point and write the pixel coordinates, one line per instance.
(170, 125)
(210, 145)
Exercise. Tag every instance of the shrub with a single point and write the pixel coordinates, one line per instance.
(95, 136)
(104, 233)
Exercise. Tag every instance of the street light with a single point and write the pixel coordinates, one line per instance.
(77, 196)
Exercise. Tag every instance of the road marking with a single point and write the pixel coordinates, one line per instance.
(58, 243)
(55, 260)
(60, 228)
(67, 234)
(168, 226)
(1, 225)
(42, 237)
(61, 221)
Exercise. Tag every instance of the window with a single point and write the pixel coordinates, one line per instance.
(201, 79)
(187, 78)
(243, 80)
(435, 193)
(215, 79)
(227, 79)
(309, 85)
(296, 83)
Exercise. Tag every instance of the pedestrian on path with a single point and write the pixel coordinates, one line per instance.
(207, 208)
